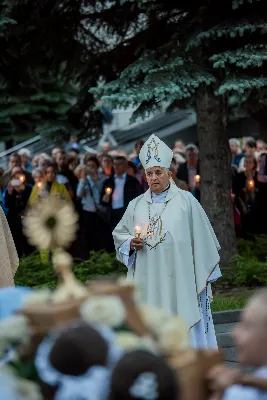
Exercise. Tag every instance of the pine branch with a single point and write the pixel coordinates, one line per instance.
(227, 32)
(241, 85)
(246, 57)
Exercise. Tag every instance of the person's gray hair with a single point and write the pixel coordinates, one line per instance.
(38, 170)
(24, 151)
(235, 141)
(44, 158)
(191, 146)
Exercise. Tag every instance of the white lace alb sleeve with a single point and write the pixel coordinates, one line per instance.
(124, 252)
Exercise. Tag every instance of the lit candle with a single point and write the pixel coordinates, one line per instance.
(40, 185)
(108, 190)
(197, 178)
(251, 184)
(22, 178)
(138, 231)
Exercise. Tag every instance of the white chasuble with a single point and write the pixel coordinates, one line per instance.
(179, 257)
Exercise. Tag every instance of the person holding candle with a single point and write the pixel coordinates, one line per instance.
(107, 166)
(14, 161)
(246, 190)
(124, 188)
(49, 186)
(38, 176)
(15, 199)
(169, 247)
(95, 234)
(189, 172)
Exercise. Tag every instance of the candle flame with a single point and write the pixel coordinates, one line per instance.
(138, 229)
(197, 178)
(108, 190)
(40, 185)
(251, 183)
(22, 178)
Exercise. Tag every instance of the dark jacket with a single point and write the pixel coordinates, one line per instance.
(132, 189)
(182, 174)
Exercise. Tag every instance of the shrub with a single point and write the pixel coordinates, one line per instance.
(36, 271)
(249, 271)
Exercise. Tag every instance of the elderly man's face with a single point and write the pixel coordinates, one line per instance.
(157, 179)
(250, 335)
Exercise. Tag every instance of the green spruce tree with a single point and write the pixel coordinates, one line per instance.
(207, 53)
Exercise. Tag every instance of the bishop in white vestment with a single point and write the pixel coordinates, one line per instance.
(167, 243)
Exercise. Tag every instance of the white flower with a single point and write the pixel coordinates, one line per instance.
(51, 223)
(154, 318)
(37, 297)
(106, 310)
(15, 329)
(125, 282)
(61, 258)
(28, 390)
(174, 335)
(69, 291)
(128, 341)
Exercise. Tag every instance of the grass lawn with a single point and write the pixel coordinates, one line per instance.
(232, 300)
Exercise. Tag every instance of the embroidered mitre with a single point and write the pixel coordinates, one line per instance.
(155, 153)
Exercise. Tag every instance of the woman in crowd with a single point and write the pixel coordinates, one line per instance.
(134, 157)
(180, 184)
(94, 229)
(38, 175)
(246, 188)
(73, 163)
(15, 199)
(143, 179)
(48, 186)
(107, 166)
(132, 170)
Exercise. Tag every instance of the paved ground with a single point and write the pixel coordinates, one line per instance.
(224, 323)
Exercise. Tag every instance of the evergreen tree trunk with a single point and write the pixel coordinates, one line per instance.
(215, 168)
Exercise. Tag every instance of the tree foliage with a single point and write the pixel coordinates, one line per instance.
(46, 61)
(221, 44)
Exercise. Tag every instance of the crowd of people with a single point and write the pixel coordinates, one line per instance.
(102, 184)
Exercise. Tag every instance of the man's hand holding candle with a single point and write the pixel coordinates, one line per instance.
(136, 243)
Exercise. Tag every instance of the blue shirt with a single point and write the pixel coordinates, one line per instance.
(11, 300)
(118, 192)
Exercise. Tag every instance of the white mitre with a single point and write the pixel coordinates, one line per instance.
(155, 153)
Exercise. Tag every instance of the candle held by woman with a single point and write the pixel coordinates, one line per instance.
(108, 190)
(22, 179)
(251, 184)
(197, 178)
